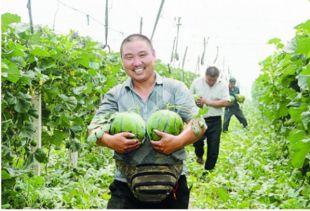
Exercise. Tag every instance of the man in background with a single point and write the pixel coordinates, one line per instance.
(214, 94)
(234, 108)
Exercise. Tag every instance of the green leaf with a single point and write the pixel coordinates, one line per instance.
(92, 72)
(11, 73)
(202, 111)
(8, 18)
(23, 103)
(304, 79)
(305, 118)
(303, 27)
(52, 91)
(299, 147)
(70, 102)
(223, 194)
(276, 42)
(58, 137)
(39, 52)
(5, 174)
(79, 90)
(295, 112)
(303, 45)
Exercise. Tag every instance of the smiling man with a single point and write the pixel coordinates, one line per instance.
(149, 174)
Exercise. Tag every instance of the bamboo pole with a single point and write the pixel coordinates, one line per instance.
(217, 54)
(157, 18)
(30, 15)
(37, 124)
(141, 25)
(184, 57)
(177, 39)
(205, 42)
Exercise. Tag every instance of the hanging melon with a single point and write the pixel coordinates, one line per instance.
(166, 121)
(128, 122)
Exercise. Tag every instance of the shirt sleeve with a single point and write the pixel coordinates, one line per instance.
(108, 106)
(225, 92)
(109, 102)
(193, 87)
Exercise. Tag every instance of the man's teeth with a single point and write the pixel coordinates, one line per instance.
(139, 70)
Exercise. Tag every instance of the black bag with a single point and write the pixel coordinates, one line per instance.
(151, 182)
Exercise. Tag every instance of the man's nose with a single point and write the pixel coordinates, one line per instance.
(136, 61)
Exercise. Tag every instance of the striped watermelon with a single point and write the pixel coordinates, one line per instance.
(166, 121)
(128, 122)
(240, 98)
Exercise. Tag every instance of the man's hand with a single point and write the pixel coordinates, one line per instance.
(199, 102)
(217, 103)
(167, 144)
(122, 142)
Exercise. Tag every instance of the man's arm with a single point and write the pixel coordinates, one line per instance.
(216, 103)
(121, 142)
(213, 103)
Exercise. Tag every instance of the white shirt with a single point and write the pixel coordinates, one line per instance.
(219, 91)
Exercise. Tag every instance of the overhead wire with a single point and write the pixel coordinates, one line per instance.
(96, 20)
(89, 17)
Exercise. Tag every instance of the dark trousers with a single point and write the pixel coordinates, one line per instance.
(213, 135)
(229, 112)
(123, 198)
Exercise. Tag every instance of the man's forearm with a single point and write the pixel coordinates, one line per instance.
(217, 103)
(189, 135)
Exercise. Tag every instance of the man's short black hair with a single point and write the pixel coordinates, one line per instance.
(232, 80)
(133, 37)
(212, 71)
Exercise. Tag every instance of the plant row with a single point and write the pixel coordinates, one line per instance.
(282, 93)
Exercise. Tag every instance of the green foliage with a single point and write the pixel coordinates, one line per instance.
(282, 92)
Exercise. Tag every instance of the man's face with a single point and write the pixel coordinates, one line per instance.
(138, 59)
(211, 80)
(231, 85)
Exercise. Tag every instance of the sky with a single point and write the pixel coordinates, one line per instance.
(236, 31)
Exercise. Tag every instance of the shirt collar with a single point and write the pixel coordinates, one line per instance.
(158, 80)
